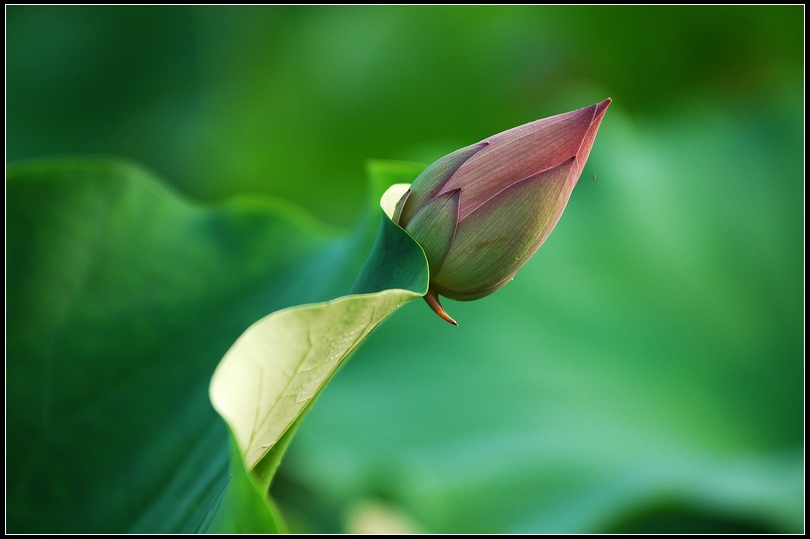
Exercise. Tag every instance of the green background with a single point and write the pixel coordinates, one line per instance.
(644, 371)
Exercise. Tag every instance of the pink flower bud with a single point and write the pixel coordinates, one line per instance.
(482, 211)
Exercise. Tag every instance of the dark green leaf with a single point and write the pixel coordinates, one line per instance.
(122, 298)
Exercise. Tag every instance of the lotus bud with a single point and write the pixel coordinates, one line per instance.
(482, 211)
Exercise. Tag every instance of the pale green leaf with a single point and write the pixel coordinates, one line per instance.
(274, 370)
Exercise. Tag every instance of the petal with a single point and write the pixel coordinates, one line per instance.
(585, 148)
(519, 153)
(431, 181)
(434, 227)
(494, 241)
(399, 206)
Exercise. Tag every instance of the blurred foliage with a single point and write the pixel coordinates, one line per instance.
(222, 100)
(122, 299)
(644, 372)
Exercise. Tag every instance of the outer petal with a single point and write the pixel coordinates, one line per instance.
(399, 206)
(519, 153)
(431, 181)
(585, 148)
(495, 240)
(434, 227)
